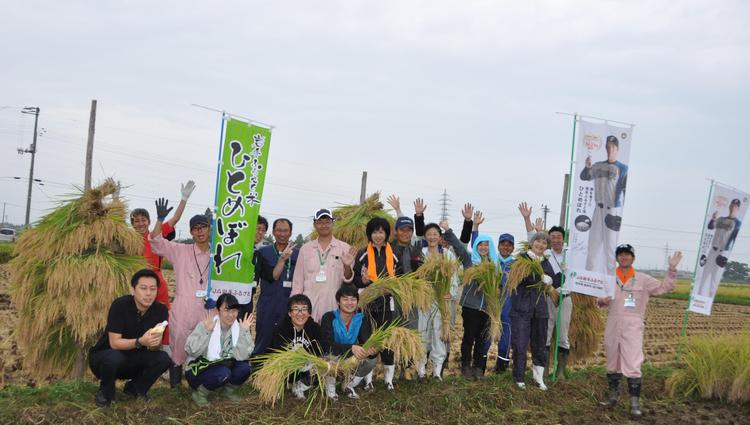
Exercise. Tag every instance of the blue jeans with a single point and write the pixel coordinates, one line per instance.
(217, 376)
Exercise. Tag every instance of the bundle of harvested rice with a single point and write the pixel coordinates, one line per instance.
(586, 327)
(406, 345)
(67, 271)
(440, 271)
(489, 277)
(351, 220)
(280, 365)
(408, 290)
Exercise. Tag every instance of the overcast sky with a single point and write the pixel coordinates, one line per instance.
(424, 95)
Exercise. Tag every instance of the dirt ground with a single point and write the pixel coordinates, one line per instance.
(663, 326)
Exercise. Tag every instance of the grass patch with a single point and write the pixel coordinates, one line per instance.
(728, 293)
(714, 367)
(455, 401)
(6, 251)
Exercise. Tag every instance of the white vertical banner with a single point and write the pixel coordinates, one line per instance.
(602, 154)
(726, 209)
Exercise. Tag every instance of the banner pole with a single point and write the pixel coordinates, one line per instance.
(209, 305)
(683, 333)
(565, 251)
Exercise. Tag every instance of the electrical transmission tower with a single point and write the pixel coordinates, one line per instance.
(445, 202)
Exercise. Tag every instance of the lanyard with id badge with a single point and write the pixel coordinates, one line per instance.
(200, 293)
(286, 281)
(321, 276)
(629, 299)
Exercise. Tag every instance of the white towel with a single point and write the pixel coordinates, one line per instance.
(214, 343)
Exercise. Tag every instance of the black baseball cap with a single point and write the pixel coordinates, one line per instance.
(198, 219)
(404, 222)
(625, 248)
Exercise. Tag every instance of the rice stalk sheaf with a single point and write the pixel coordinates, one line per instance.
(714, 367)
(67, 271)
(410, 293)
(439, 271)
(489, 278)
(351, 220)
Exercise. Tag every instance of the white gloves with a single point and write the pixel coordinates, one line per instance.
(187, 189)
(547, 280)
(564, 290)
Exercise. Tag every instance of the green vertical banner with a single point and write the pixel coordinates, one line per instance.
(239, 190)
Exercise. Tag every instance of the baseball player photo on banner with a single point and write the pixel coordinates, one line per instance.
(726, 211)
(596, 203)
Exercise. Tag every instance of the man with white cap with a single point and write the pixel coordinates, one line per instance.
(323, 264)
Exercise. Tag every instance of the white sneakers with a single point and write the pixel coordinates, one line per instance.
(521, 385)
(538, 373)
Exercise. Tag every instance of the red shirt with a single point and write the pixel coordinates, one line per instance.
(162, 295)
(153, 259)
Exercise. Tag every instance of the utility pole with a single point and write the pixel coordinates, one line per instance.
(3, 212)
(363, 189)
(444, 203)
(564, 205)
(545, 210)
(79, 365)
(90, 146)
(34, 110)
(666, 256)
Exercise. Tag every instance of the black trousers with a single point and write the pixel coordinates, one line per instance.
(142, 366)
(476, 334)
(525, 330)
(383, 318)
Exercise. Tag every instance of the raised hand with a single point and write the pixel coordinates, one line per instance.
(395, 203)
(468, 211)
(187, 189)
(674, 260)
(445, 225)
(348, 258)
(209, 323)
(478, 218)
(419, 206)
(539, 224)
(524, 209)
(247, 322)
(162, 211)
(287, 252)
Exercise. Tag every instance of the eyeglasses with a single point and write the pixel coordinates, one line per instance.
(299, 310)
